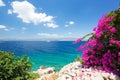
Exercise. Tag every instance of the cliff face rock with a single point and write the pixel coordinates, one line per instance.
(69, 71)
(47, 73)
(75, 71)
(44, 70)
(52, 76)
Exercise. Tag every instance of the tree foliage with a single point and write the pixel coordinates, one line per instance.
(13, 67)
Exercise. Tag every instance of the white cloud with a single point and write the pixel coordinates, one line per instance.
(2, 27)
(2, 3)
(50, 37)
(12, 29)
(9, 29)
(51, 25)
(66, 25)
(71, 22)
(23, 28)
(46, 35)
(9, 11)
(26, 12)
(5, 28)
(69, 32)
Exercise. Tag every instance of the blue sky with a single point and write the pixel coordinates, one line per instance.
(51, 19)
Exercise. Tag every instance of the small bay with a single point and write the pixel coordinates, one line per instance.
(42, 53)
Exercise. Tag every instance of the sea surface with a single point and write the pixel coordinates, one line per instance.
(42, 53)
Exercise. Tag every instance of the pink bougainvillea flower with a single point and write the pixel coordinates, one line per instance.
(112, 41)
(103, 47)
(77, 41)
(83, 46)
(80, 47)
(118, 56)
(109, 18)
(92, 42)
(100, 45)
(107, 27)
(118, 43)
(95, 28)
(85, 54)
(98, 34)
(113, 30)
(118, 53)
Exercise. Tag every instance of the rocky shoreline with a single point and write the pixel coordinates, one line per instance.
(74, 71)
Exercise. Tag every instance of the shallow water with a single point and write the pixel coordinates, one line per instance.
(41, 53)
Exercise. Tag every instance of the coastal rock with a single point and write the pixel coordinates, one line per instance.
(75, 71)
(44, 70)
(47, 73)
(52, 76)
(64, 77)
(70, 68)
(42, 67)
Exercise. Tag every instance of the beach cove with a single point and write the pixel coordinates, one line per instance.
(43, 53)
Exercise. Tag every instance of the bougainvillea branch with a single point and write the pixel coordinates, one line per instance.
(103, 47)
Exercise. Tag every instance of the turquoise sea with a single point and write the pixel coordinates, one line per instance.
(42, 53)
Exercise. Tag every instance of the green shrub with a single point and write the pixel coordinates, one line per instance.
(78, 58)
(33, 76)
(13, 67)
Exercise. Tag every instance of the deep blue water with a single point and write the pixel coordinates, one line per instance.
(54, 53)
